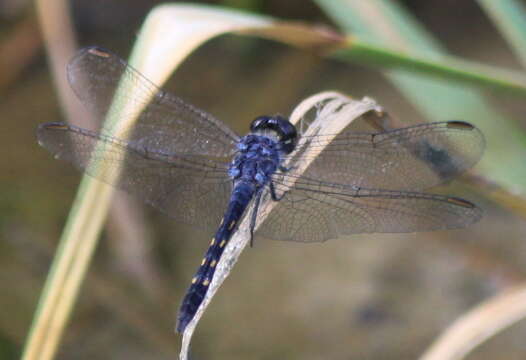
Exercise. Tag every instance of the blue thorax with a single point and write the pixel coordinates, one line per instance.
(256, 160)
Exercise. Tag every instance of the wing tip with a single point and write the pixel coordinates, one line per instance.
(94, 50)
(44, 129)
(475, 212)
(97, 51)
(80, 55)
(53, 126)
(461, 202)
(460, 125)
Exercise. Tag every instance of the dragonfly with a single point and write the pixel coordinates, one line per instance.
(191, 166)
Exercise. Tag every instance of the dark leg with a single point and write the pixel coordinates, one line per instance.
(253, 217)
(273, 192)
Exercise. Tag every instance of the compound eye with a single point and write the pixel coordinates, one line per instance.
(287, 133)
(259, 123)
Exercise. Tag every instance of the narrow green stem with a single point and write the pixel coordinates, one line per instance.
(444, 67)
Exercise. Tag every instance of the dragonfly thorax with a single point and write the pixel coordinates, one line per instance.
(257, 159)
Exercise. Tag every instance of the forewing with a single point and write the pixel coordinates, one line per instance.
(312, 211)
(412, 158)
(165, 122)
(192, 189)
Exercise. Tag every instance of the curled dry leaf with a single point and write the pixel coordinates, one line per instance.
(333, 113)
(478, 325)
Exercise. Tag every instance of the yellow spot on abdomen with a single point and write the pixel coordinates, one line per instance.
(213, 263)
(231, 225)
(203, 262)
(194, 280)
(206, 282)
(222, 243)
(213, 241)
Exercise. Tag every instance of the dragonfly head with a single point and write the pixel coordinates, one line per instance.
(285, 131)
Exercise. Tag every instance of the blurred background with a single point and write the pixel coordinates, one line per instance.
(365, 297)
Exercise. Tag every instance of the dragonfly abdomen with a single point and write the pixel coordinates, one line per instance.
(241, 196)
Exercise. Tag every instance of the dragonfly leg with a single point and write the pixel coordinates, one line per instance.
(273, 193)
(253, 217)
(284, 169)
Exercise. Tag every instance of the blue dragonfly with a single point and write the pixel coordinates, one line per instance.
(191, 166)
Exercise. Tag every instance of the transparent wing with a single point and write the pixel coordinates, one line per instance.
(313, 211)
(192, 189)
(412, 158)
(165, 122)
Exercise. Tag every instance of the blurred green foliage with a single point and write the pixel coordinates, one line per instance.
(374, 297)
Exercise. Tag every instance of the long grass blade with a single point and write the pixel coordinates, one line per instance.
(445, 68)
(157, 56)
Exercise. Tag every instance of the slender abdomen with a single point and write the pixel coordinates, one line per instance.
(241, 196)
